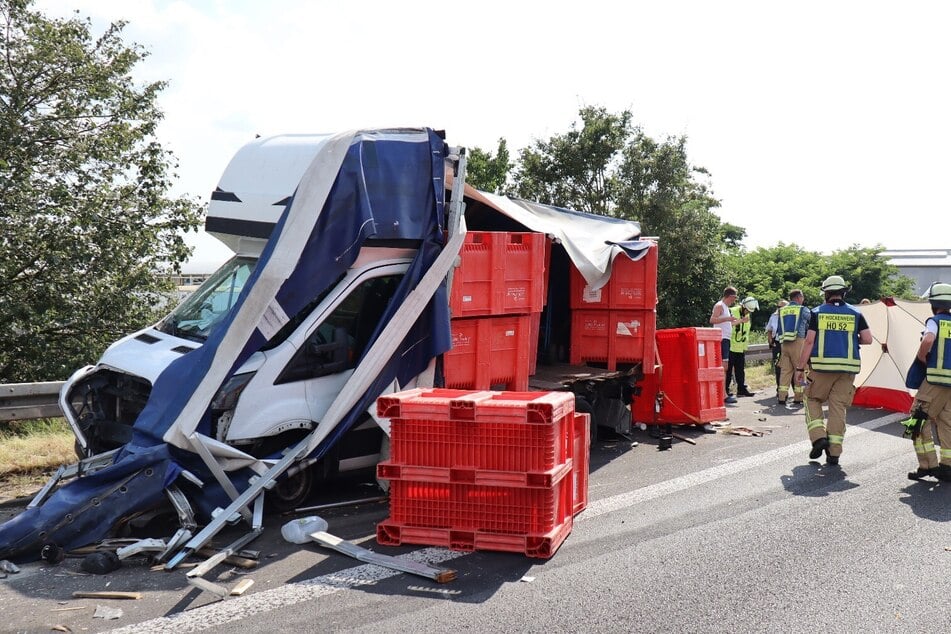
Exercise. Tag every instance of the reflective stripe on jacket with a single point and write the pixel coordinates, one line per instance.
(836, 347)
(939, 357)
(789, 322)
(740, 335)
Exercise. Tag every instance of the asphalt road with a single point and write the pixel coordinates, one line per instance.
(733, 534)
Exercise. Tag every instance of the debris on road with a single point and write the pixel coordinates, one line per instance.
(106, 613)
(101, 563)
(9, 566)
(241, 587)
(744, 431)
(107, 594)
(684, 438)
(151, 545)
(305, 529)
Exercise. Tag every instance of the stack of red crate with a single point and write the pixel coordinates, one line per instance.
(690, 379)
(481, 470)
(498, 292)
(616, 323)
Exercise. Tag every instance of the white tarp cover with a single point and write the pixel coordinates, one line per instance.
(586, 237)
(896, 327)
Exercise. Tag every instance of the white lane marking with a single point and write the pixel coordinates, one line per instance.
(286, 595)
(296, 592)
(625, 500)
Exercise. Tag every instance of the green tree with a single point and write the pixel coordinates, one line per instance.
(489, 172)
(87, 221)
(607, 165)
(770, 273)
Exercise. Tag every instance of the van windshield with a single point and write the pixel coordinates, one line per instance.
(197, 316)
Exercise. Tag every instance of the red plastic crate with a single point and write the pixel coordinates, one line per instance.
(392, 470)
(489, 351)
(389, 533)
(523, 407)
(691, 378)
(421, 402)
(535, 320)
(476, 507)
(633, 285)
(612, 336)
(581, 459)
(500, 273)
(502, 431)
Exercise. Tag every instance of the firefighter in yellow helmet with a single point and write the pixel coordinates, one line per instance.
(831, 350)
(933, 400)
(739, 342)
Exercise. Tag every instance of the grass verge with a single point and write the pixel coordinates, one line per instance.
(30, 451)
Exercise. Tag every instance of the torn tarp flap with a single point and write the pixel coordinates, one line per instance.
(84, 511)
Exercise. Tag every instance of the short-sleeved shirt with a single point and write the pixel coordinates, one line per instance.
(726, 328)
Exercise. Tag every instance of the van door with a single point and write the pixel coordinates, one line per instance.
(330, 352)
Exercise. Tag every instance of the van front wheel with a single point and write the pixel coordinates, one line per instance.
(291, 492)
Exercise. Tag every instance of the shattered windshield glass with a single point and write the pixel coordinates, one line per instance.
(196, 317)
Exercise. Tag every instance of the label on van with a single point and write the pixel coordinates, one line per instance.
(272, 320)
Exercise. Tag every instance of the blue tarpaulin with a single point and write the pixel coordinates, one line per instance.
(387, 185)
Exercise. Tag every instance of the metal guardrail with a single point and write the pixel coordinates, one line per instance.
(23, 401)
(758, 352)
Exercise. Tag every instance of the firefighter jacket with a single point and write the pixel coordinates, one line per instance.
(939, 357)
(836, 346)
(740, 334)
(791, 323)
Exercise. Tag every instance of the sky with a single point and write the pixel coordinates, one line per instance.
(825, 124)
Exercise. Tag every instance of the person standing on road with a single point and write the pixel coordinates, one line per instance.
(739, 342)
(793, 324)
(723, 319)
(831, 349)
(772, 337)
(934, 395)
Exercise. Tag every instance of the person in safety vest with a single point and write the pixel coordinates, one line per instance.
(772, 337)
(934, 396)
(831, 349)
(739, 342)
(722, 318)
(793, 324)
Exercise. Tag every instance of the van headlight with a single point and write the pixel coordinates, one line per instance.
(227, 396)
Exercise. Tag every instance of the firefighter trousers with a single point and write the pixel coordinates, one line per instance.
(835, 390)
(934, 400)
(788, 358)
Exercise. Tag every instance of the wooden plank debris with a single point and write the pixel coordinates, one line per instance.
(108, 594)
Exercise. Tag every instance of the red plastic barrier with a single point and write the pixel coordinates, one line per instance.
(691, 379)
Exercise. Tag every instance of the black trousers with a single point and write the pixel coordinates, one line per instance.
(776, 350)
(736, 368)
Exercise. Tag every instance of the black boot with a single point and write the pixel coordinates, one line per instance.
(920, 473)
(818, 446)
(944, 473)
